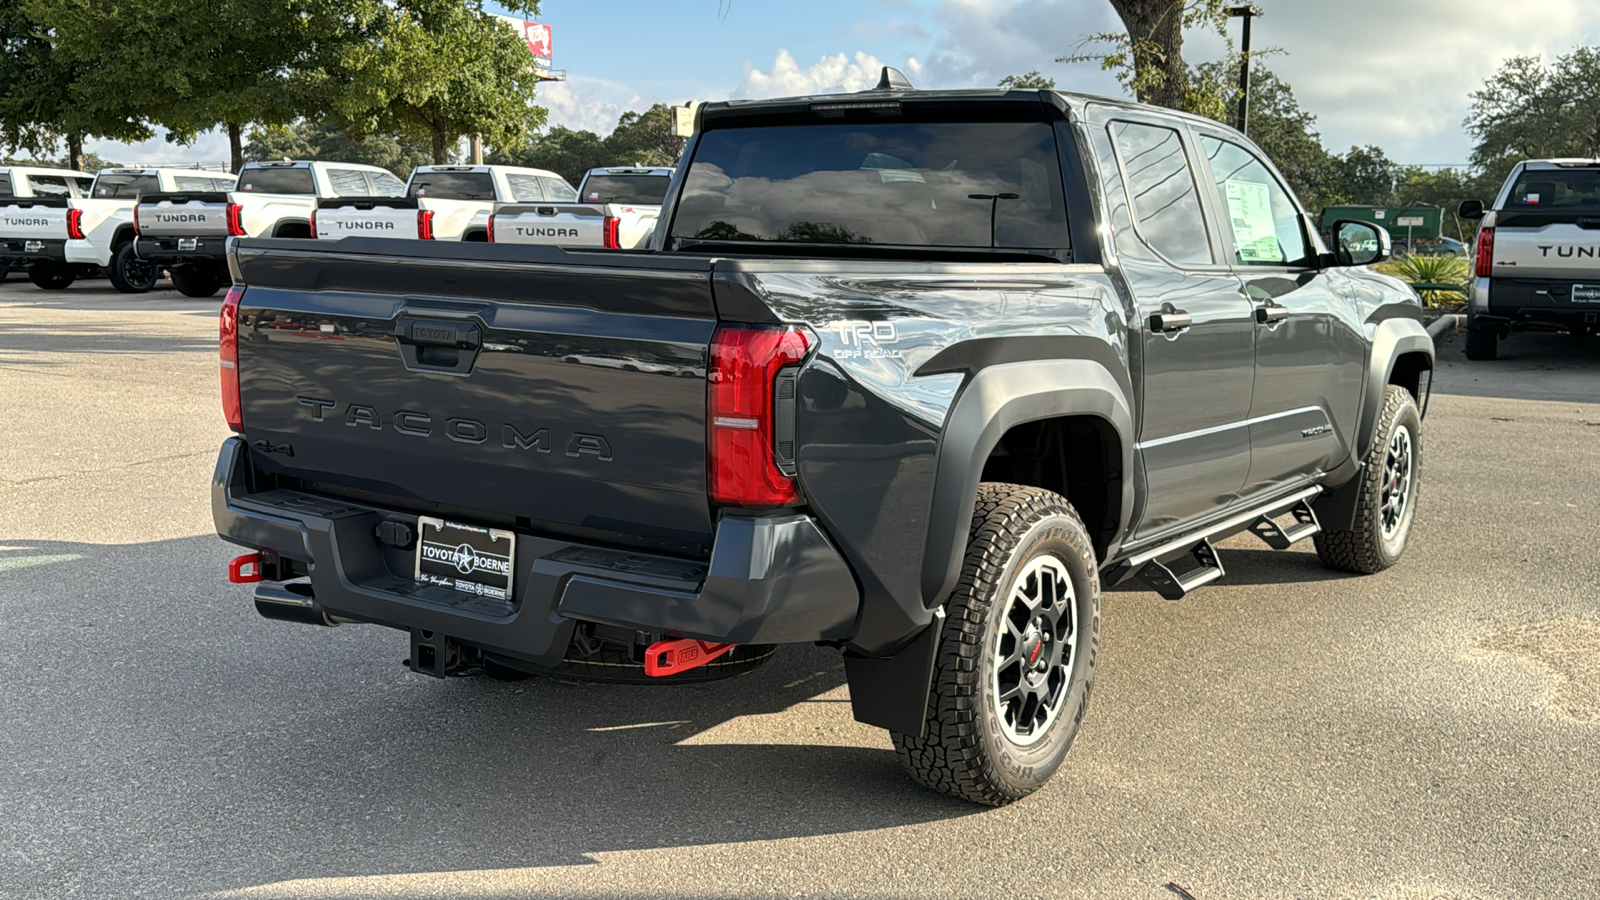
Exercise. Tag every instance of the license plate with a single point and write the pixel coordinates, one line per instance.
(1585, 293)
(465, 558)
(188, 243)
(32, 246)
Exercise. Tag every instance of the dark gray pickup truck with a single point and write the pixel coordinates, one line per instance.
(909, 374)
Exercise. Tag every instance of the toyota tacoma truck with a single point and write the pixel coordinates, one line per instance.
(910, 374)
(187, 232)
(25, 192)
(441, 203)
(1536, 261)
(618, 211)
(95, 233)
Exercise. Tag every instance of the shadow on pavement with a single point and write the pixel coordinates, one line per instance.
(1531, 366)
(221, 750)
(20, 343)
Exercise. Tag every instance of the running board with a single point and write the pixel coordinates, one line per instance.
(1279, 538)
(1172, 584)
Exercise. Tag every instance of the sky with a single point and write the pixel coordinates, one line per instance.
(1395, 73)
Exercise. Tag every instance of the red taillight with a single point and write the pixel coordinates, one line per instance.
(491, 228)
(313, 225)
(1485, 260)
(235, 220)
(425, 224)
(228, 347)
(136, 230)
(739, 407)
(75, 224)
(613, 229)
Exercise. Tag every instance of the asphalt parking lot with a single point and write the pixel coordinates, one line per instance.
(1430, 732)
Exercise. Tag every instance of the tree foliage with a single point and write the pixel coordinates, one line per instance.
(321, 140)
(640, 138)
(1147, 57)
(1528, 110)
(1028, 81)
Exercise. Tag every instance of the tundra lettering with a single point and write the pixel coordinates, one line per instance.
(179, 218)
(545, 232)
(33, 222)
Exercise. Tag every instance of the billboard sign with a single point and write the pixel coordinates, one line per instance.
(539, 44)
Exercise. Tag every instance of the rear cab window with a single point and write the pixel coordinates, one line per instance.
(644, 190)
(944, 183)
(452, 186)
(1569, 190)
(277, 180)
(126, 185)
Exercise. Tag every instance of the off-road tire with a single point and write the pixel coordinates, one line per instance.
(1364, 549)
(130, 274)
(1482, 343)
(195, 282)
(964, 750)
(614, 664)
(52, 276)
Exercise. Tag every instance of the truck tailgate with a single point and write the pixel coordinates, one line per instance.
(1525, 247)
(183, 215)
(44, 219)
(503, 386)
(551, 225)
(391, 217)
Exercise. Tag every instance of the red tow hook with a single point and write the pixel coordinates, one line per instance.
(245, 569)
(665, 658)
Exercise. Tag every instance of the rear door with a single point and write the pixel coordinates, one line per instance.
(1309, 349)
(1196, 331)
(471, 382)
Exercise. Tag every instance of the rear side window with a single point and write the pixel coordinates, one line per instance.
(348, 182)
(190, 183)
(275, 180)
(386, 185)
(81, 185)
(945, 184)
(557, 189)
(1555, 189)
(525, 187)
(5, 186)
(1166, 203)
(49, 186)
(453, 185)
(641, 189)
(130, 186)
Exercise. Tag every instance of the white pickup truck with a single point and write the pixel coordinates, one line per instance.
(1536, 263)
(187, 232)
(618, 210)
(25, 192)
(441, 203)
(95, 233)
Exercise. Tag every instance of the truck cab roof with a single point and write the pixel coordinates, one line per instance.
(630, 170)
(310, 164)
(520, 170)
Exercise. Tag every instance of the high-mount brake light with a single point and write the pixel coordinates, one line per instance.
(741, 402)
(75, 224)
(228, 350)
(425, 224)
(1483, 265)
(235, 220)
(613, 233)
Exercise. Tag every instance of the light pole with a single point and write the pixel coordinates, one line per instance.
(1246, 13)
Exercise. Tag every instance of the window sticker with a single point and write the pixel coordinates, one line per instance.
(1250, 212)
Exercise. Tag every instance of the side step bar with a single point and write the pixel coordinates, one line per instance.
(1176, 567)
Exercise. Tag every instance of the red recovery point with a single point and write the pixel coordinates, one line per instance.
(671, 657)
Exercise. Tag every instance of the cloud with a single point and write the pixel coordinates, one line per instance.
(210, 148)
(982, 41)
(591, 104)
(828, 75)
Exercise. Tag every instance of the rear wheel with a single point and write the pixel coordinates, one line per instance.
(130, 274)
(1016, 659)
(1482, 343)
(52, 276)
(193, 281)
(1388, 485)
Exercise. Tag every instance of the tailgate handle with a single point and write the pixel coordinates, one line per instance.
(434, 346)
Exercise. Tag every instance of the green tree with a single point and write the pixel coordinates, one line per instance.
(1278, 125)
(1028, 81)
(641, 138)
(1148, 57)
(435, 70)
(321, 140)
(1527, 110)
(566, 152)
(645, 139)
(44, 100)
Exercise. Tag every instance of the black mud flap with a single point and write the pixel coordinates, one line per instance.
(892, 692)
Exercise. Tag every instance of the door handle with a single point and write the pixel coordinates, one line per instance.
(1170, 321)
(1267, 315)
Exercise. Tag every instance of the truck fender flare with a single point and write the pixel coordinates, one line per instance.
(1392, 339)
(993, 401)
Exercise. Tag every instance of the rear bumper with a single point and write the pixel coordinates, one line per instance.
(16, 252)
(772, 579)
(1531, 304)
(213, 250)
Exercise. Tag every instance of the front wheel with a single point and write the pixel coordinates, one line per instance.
(130, 274)
(52, 276)
(1016, 658)
(1386, 506)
